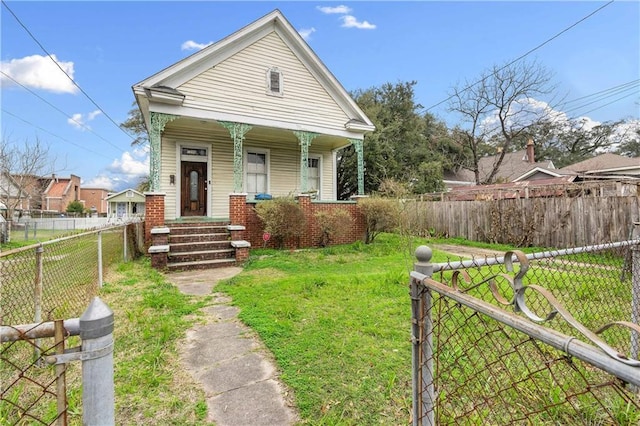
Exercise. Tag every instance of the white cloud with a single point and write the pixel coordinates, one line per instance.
(349, 21)
(39, 72)
(101, 181)
(131, 164)
(80, 122)
(192, 45)
(342, 9)
(305, 33)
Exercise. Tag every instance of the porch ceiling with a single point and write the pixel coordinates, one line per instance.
(269, 135)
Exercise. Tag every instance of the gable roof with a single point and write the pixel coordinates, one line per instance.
(161, 86)
(603, 163)
(9, 188)
(514, 166)
(137, 194)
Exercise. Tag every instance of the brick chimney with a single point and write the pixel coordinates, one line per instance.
(530, 155)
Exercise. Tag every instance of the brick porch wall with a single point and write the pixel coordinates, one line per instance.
(154, 213)
(254, 228)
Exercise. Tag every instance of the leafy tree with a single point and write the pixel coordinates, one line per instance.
(404, 146)
(570, 141)
(134, 124)
(75, 207)
(499, 109)
(630, 147)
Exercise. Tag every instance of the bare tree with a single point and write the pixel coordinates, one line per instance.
(499, 108)
(21, 167)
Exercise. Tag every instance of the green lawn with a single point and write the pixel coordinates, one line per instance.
(338, 321)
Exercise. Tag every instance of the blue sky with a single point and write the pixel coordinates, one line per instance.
(109, 46)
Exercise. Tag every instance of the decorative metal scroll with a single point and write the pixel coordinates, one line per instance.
(158, 121)
(519, 303)
(358, 145)
(237, 132)
(305, 139)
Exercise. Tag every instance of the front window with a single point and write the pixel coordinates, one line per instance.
(257, 173)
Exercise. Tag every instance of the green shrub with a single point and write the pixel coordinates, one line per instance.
(75, 207)
(333, 223)
(380, 215)
(282, 218)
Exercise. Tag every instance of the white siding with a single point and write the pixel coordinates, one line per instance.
(284, 167)
(168, 167)
(238, 85)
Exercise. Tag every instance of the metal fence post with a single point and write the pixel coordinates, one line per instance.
(100, 259)
(37, 296)
(635, 298)
(96, 332)
(124, 238)
(422, 340)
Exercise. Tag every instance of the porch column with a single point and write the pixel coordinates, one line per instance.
(305, 139)
(158, 121)
(358, 146)
(237, 132)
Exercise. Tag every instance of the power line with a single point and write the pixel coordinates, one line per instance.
(523, 55)
(53, 134)
(602, 106)
(65, 73)
(605, 96)
(60, 111)
(620, 86)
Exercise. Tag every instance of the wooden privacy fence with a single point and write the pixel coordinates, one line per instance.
(543, 222)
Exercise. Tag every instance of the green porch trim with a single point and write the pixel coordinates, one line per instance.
(358, 145)
(305, 139)
(158, 121)
(237, 132)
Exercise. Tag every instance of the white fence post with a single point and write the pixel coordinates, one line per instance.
(96, 332)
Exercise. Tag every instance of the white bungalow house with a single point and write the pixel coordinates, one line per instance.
(255, 113)
(125, 204)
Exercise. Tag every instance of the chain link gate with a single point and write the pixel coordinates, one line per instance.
(562, 354)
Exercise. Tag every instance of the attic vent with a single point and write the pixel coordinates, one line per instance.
(274, 82)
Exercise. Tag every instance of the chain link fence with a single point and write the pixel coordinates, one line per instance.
(543, 338)
(57, 278)
(32, 391)
(39, 285)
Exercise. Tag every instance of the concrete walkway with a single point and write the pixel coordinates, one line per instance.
(237, 373)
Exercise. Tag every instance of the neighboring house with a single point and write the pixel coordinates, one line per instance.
(515, 167)
(60, 192)
(125, 204)
(257, 112)
(603, 175)
(605, 166)
(95, 199)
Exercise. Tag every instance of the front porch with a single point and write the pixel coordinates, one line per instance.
(242, 230)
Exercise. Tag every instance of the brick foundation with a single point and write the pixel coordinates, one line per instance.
(255, 229)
